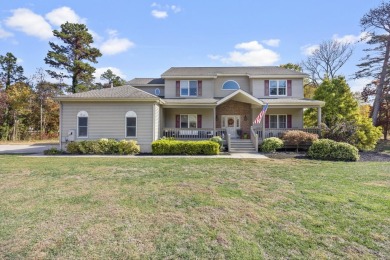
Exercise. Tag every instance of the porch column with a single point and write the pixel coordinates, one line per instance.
(263, 128)
(319, 117)
(215, 123)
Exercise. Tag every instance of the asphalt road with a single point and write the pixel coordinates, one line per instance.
(25, 148)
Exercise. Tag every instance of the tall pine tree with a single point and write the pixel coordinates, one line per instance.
(73, 56)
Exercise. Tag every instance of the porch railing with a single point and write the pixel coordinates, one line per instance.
(194, 133)
(278, 132)
(255, 139)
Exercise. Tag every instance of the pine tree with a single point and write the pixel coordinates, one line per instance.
(73, 56)
(10, 72)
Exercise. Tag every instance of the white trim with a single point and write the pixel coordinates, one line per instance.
(277, 87)
(82, 114)
(239, 87)
(188, 88)
(131, 114)
(188, 120)
(249, 96)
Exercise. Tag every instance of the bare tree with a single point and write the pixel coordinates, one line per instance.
(378, 21)
(327, 60)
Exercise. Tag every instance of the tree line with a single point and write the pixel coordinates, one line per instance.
(27, 106)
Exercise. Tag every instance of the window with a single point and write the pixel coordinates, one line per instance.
(230, 85)
(188, 121)
(131, 124)
(82, 124)
(157, 92)
(278, 121)
(277, 87)
(189, 88)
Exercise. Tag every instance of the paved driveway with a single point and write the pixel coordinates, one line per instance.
(25, 148)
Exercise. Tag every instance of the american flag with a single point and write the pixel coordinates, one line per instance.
(260, 116)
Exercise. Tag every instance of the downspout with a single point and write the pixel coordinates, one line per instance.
(60, 135)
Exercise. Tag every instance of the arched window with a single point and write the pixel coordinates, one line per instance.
(230, 85)
(157, 92)
(82, 124)
(131, 124)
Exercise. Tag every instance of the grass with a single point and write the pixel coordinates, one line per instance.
(31, 142)
(383, 146)
(192, 208)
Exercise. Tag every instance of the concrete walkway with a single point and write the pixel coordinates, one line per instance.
(36, 150)
(25, 148)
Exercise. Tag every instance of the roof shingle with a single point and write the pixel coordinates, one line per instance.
(146, 81)
(126, 91)
(214, 71)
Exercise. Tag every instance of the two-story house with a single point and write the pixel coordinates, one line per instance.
(190, 103)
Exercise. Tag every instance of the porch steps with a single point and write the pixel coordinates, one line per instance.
(241, 146)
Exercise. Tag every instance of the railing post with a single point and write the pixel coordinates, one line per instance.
(257, 143)
(228, 142)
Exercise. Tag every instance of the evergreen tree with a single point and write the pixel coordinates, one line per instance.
(73, 56)
(112, 78)
(10, 72)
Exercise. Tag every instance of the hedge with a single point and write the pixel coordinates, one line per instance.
(175, 147)
(326, 149)
(271, 144)
(104, 146)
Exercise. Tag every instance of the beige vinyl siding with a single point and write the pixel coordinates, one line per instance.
(219, 92)
(207, 88)
(207, 116)
(151, 89)
(107, 120)
(156, 131)
(296, 87)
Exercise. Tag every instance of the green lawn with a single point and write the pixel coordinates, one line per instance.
(192, 208)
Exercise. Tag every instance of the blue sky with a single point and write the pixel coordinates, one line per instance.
(145, 38)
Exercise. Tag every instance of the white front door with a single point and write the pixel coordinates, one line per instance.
(231, 124)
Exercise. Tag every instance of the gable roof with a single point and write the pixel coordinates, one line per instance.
(213, 72)
(242, 96)
(117, 93)
(146, 81)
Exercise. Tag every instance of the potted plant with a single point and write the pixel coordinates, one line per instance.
(246, 136)
(239, 132)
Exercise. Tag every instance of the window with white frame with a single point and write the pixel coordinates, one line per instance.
(278, 121)
(82, 124)
(278, 87)
(188, 88)
(131, 124)
(188, 121)
(157, 92)
(230, 85)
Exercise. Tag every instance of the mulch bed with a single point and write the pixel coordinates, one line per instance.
(364, 156)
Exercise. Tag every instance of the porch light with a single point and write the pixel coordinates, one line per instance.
(245, 118)
(216, 117)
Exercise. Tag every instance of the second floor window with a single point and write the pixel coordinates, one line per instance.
(277, 87)
(188, 88)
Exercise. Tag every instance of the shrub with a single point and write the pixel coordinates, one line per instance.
(174, 147)
(52, 151)
(326, 149)
(271, 144)
(218, 140)
(359, 133)
(103, 146)
(297, 138)
(128, 147)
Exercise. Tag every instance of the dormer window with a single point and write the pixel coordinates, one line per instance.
(230, 85)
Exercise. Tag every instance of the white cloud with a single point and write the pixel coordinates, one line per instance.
(309, 49)
(62, 15)
(30, 23)
(100, 71)
(4, 34)
(359, 84)
(159, 14)
(154, 4)
(350, 38)
(272, 42)
(114, 44)
(176, 9)
(19, 61)
(249, 54)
